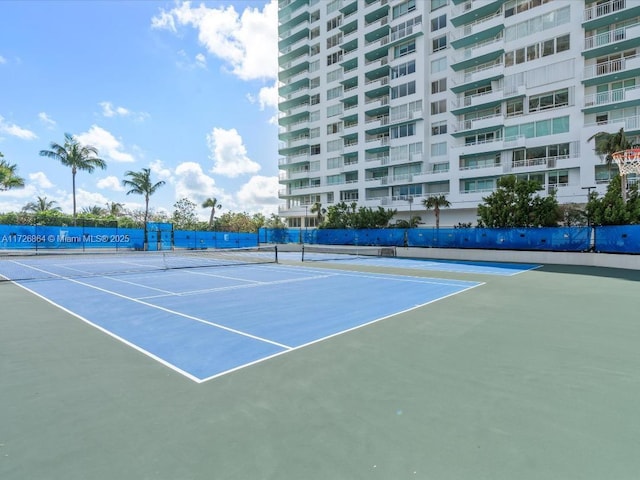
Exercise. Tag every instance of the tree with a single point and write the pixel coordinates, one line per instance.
(319, 211)
(78, 157)
(611, 209)
(436, 202)
(114, 209)
(140, 183)
(606, 144)
(94, 210)
(211, 203)
(8, 177)
(184, 216)
(41, 205)
(515, 203)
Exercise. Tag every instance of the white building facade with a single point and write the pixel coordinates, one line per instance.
(387, 102)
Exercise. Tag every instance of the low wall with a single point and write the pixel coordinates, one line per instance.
(518, 256)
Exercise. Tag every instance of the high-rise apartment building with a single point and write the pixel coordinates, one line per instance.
(387, 102)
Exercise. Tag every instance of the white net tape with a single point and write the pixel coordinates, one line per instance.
(628, 161)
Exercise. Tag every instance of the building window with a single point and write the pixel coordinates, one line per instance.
(335, 22)
(439, 128)
(515, 107)
(438, 107)
(436, 4)
(439, 149)
(404, 8)
(438, 86)
(314, 99)
(401, 131)
(559, 98)
(334, 58)
(537, 50)
(403, 90)
(335, 92)
(438, 23)
(334, 40)
(334, 128)
(315, 149)
(439, 43)
(347, 195)
(403, 69)
(439, 65)
(405, 49)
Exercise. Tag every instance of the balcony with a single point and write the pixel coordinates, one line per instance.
(479, 54)
(620, 98)
(478, 125)
(613, 41)
(479, 76)
(613, 70)
(598, 14)
(479, 31)
(470, 11)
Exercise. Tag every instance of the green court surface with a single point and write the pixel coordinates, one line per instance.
(532, 376)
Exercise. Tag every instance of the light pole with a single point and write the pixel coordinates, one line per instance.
(305, 220)
(410, 200)
(588, 189)
(592, 237)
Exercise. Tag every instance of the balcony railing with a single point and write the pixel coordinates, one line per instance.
(601, 9)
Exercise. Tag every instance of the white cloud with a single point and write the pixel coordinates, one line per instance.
(229, 154)
(87, 199)
(248, 43)
(158, 168)
(192, 183)
(201, 60)
(110, 183)
(46, 120)
(109, 111)
(106, 143)
(2, 60)
(164, 21)
(40, 180)
(260, 194)
(16, 131)
(267, 98)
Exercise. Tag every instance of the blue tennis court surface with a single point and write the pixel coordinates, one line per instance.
(457, 266)
(210, 321)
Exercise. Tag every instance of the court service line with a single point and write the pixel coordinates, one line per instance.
(235, 287)
(168, 310)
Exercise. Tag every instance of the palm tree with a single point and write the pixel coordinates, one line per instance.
(41, 205)
(211, 203)
(609, 143)
(606, 145)
(319, 211)
(140, 184)
(8, 177)
(96, 210)
(436, 202)
(77, 156)
(114, 209)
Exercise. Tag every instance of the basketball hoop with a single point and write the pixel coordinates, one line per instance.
(628, 161)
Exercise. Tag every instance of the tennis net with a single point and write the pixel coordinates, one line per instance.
(21, 266)
(319, 253)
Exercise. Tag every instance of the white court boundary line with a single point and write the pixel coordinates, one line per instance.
(286, 348)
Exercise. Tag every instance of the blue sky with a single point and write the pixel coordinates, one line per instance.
(186, 89)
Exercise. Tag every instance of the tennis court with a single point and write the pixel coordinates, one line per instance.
(358, 369)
